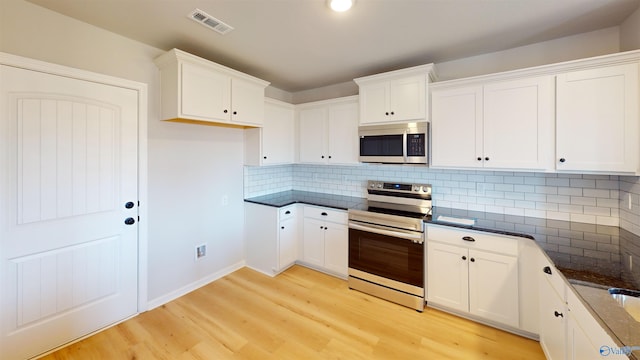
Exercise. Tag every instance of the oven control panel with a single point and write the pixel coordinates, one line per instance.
(399, 187)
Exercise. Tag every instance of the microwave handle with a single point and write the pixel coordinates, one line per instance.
(404, 145)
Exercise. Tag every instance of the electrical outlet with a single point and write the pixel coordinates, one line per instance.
(201, 251)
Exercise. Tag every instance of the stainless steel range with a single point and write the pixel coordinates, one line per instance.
(386, 243)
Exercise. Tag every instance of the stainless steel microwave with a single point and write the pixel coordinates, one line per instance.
(406, 143)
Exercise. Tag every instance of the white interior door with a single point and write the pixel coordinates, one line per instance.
(68, 156)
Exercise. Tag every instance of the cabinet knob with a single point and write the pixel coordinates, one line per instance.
(562, 160)
(464, 257)
(329, 156)
(225, 111)
(558, 314)
(479, 158)
(287, 212)
(322, 156)
(468, 238)
(129, 205)
(264, 157)
(130, 221)
(282, 227)
(235, 113)
(472, 260)
(387, 113)
(486, 159)
(392, 113)
(546, 270)
(324, 214)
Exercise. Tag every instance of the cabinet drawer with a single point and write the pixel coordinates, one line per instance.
(320, 213)
(287, 212)
(475, 240)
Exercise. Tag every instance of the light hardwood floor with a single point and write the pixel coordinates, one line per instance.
(300, 314)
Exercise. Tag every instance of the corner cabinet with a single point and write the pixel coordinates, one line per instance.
(567, 328)
(597, 119)
(396, 96)
(200, 91)
(473, 273)
(328, 131)
(271, 237)
(494, 125)
(273, 143)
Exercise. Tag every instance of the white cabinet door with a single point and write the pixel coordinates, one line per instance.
(408, 99)
(278, 133)
(493, 287)
(312, 126)
(448, 276)
(288, 251)
(343, 133)
(552, 321)
(518, 124)
(205, 94)
(313, 241)
(247, 102)
(456, 127)
(597, 120)
(374, 103)
(502, 125)
(336, 245)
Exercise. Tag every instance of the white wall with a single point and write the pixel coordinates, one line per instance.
(630, 32)
(190, 167)
(600, 42)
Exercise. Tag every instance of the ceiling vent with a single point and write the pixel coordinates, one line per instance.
(209, 21)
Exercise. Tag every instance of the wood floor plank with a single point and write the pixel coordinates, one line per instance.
(300, 314)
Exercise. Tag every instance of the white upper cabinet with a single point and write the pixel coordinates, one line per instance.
(597, 119)
(497, 125)
(456, 127)
(328, 131)
(397, 96)
(198, 90)
(273, 143)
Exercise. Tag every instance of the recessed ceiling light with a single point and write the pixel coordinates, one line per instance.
(340, 5)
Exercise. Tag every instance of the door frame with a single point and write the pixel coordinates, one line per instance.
(141, 89)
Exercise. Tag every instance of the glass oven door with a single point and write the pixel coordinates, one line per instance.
(385, 254)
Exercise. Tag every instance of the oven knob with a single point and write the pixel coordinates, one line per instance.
(379, 186)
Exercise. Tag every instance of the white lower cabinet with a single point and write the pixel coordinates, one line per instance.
(271, 237)
(325, 240)
(473, 273)
(568, 331)
(552, 316)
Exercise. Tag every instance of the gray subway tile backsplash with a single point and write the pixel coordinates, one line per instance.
(592, 199)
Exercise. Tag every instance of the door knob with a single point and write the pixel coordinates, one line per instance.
(130, 221)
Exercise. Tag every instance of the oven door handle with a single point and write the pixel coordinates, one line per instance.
(407, 235)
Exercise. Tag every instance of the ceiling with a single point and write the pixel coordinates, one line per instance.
(301, 44)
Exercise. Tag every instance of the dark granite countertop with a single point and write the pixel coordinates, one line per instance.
(285, 198)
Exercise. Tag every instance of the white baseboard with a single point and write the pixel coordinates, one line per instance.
(159, 301)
